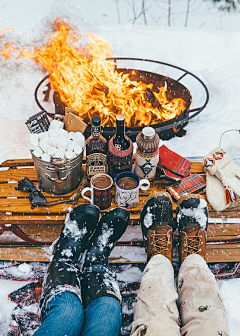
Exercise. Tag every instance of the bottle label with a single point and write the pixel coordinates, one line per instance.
(96, 132)
(118, 146)
(146, 164)
(96, 163)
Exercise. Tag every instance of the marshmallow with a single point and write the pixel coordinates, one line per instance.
(31, 146)
(56, 124)
(44, 144)
(78, 150)
(62, 143)
(63, 131)
(46, 157)
(33, 138)
(53, 140)
(51, 150)
(70, 145)
(70, 135)
(57, 131)
(52, 132)
(62, 137)
(38, 152)
(70, 155)
(78, 139)
(59, 154)
(33, 141)
(43, 135)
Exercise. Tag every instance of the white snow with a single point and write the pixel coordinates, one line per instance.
(67, 252)
(71, 229)
(24, 268)
(148, 218)
(131, 274)
(209, 47)
(103, 239)
(6, 306)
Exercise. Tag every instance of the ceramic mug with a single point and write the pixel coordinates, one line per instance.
(127, 193)
(101, 191)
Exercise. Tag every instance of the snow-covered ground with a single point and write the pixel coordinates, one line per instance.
(209, 47)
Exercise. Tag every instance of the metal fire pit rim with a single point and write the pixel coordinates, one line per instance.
(175, 124)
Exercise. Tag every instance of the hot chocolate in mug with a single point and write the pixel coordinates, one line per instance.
(127, 189)
(101, 191)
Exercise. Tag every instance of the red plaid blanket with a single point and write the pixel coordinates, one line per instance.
(190, 184)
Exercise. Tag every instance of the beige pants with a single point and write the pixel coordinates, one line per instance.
(200, 306)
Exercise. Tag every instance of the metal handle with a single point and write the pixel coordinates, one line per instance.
(59, 179)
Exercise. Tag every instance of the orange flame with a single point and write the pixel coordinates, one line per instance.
(88, 83)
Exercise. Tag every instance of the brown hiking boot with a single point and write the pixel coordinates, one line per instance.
(157, 225)
(192, 220)
(192, 240)
(159, 241)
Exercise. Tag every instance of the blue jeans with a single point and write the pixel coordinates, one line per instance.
(64, 316)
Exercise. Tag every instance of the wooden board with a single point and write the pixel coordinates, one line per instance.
(43, 224)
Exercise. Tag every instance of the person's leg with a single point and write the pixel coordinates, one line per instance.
(63, 316)
(156, 310)
(100, 290)
(60, 301)
(202, 310)
(103, 317)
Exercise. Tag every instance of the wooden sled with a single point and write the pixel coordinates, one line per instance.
(26, 234)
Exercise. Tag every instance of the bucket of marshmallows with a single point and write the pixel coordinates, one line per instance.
(57, 156)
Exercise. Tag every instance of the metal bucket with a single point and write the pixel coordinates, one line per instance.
(59, 177)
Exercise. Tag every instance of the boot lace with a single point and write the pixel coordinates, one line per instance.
(159, 243)
(193, 245)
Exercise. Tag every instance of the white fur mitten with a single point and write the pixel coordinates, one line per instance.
(222, 178)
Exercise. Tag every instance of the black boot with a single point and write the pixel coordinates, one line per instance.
(98, 279)
(63, 272)
(78, 228)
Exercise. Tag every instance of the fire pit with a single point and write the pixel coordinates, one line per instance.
(166, 129)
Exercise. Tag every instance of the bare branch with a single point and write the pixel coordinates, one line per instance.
(144, 12)
(169, 12)
(187, 12)
(118, 12)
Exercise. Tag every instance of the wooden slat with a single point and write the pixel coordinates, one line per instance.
(8, 190)
(46, 219)
(196, 167)
(17, 163)
(223, 253)
(18, 174)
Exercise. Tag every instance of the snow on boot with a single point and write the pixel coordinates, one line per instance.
(63, 272)
(192, 209)
(98, 279)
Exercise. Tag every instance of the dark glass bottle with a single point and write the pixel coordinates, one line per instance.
(120, 141)
(96, 150)
(120, 150)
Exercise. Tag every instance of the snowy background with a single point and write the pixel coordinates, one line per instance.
(194, 35)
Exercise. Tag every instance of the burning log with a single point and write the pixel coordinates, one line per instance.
(150, 97)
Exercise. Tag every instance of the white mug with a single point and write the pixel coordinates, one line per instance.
(129, 198)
